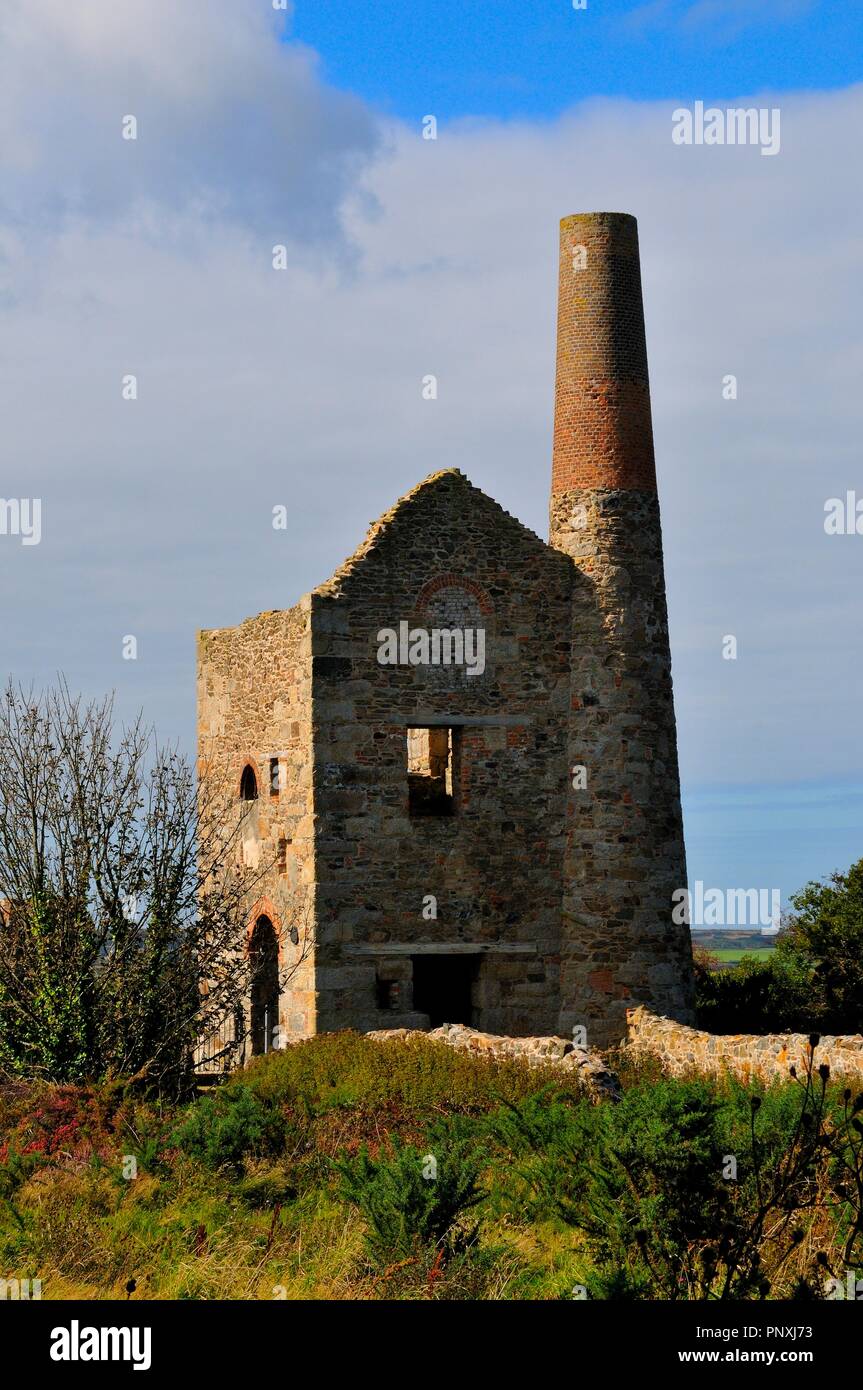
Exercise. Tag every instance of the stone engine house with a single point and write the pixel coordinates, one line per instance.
(492, 840)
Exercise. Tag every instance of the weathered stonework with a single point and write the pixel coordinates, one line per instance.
(243, 720)
(766, 1057)
(503, 892)
(598, 1081)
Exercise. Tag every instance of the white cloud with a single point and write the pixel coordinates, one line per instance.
(724, 20)
(231, 122)
(258, 387)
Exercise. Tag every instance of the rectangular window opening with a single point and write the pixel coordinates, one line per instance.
(432, 760)
(274, 776)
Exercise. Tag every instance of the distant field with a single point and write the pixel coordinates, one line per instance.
(730, 954)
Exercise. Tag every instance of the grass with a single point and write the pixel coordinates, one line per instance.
(733, 957)
(242, 1193)
(191, 1227)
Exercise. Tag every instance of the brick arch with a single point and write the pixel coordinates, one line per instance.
(240, 763)
(455, 581)
(265, 907)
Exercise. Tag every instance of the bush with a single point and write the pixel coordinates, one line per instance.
(811, 982)
(413, 1199)
(419, 1075)
(758, 996)
(826, 931)
(662, 1211)
(227, 1128)
(552, 1140)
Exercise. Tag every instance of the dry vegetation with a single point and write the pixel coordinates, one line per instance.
(305, 1177)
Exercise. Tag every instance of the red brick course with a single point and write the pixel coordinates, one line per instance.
(603, 434)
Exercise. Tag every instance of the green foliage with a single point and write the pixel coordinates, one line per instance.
(653, 1179)
(225, 1129)
(826, 930)
(551, 1140)
(422, 1076)
(811, 981)
(662, 1211)
(531, 1194)
(413, 1198)
(54, 1036)
(642, 1180)
(758, 996)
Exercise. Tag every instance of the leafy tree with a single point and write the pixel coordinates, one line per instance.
(825, 932)
(122, 898)
(758, 996)
(812, 980)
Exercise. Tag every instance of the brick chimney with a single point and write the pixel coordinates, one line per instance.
(625, 852)
(603, 435)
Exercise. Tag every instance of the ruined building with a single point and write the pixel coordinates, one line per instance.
(461, 748)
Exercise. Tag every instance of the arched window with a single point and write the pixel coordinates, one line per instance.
(264, 962)
(249, 784)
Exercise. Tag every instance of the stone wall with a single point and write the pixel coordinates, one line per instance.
(445, 556)
(765, 1057)
(593, 1074)
(254, 709)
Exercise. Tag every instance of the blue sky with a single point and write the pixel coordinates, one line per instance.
(512, 60)
(406, 257)
(506, 58)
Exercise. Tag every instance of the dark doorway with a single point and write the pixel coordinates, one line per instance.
(442, 987)
(264, 966)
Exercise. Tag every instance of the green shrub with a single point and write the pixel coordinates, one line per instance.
(551, 1138)
(812, 980)
(225, 1129)
(653, 1185)
(412, 1199)
(421, 1075)
(648, 1183)
(758, 996)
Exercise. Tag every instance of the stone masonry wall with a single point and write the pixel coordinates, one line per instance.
(595, 1077)
(445, 555)
(747, 1056)
(254, 705)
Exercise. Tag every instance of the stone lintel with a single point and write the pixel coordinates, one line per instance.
(478, 721)
(443, 948)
